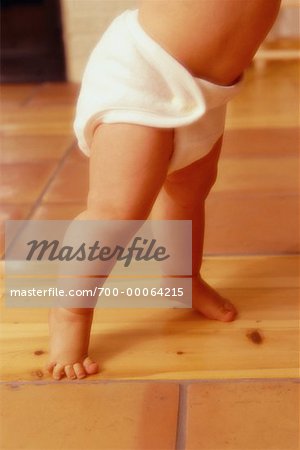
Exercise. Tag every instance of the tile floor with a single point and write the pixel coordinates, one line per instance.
(152, 416)
(168, 380)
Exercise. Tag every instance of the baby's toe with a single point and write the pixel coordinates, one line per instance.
(70, 372)
(90, 366)
(79, 370)
(228, 312)
(50, 366)
(58, 371)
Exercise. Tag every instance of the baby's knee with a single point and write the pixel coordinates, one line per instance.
(189, 194)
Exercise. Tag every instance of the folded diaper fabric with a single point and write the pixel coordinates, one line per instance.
(130, 78)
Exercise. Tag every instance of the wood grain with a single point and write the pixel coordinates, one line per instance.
(156, 344)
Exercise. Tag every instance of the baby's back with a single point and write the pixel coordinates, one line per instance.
(214, 39)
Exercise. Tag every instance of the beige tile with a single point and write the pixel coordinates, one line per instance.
(13, 96)
(132, 416)
(243, 416)
(55, 94)
(44, 120)
(11, 212)
(269, 97)
(71, 183)
(19, 149)
(23, 183)
(265, 175)
(261, 142)
(245, 223)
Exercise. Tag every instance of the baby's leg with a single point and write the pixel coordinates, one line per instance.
(128, 166)
(183, 197)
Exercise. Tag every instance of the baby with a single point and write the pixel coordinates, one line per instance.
(151, 117)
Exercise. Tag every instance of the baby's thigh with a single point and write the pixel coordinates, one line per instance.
(128, 165)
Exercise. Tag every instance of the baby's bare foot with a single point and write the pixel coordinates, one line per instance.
(69, 342)
(211, 304)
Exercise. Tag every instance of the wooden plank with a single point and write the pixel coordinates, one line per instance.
(168, 349)
(180, 344)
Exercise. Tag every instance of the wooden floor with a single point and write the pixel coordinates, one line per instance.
(180, 344)
(251, 256)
